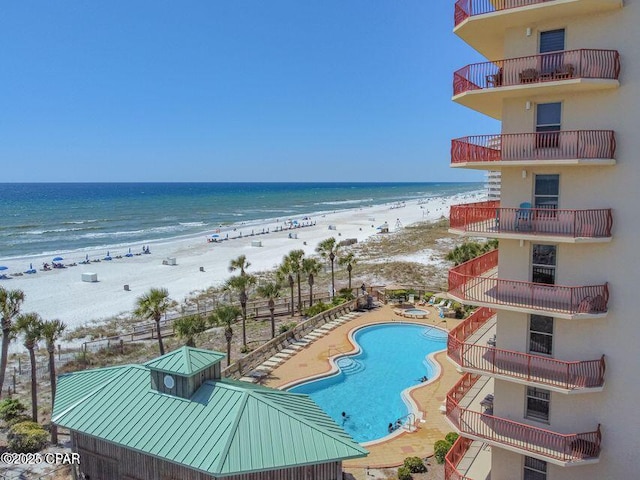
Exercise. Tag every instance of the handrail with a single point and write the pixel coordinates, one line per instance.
(466, 282)
(487, 217)
(561, 145)
(564, 447)
(545, 67)
(467, 8)
(465, 329)
(453, 457)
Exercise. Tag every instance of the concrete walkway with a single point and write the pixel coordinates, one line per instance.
(313, 360)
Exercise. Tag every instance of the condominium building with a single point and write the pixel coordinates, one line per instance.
(493, 185)
(549, 360)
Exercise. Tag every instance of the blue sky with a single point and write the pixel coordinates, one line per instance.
(240, 90)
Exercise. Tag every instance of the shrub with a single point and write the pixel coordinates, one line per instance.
(346, 293)
(451, 437)
(337, 300)
(19, 419)
(415, 464)
(316, 308)
(11, 408)
(26, 437)
(404, 474)
(440, 449)
(285, 327)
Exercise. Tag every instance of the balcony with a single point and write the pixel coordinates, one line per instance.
(474, 282)
(466, 350)
(482, 23)
(540, 224)
(582, 147)
(484, 86)
(467, 460)
(557, 448)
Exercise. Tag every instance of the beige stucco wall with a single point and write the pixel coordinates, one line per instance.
(617, 187)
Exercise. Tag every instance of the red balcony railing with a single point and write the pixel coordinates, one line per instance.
(490, 218)
(564, 447)
(531, 368)
(467, 8)
(466, 282)
(453, 457)
(546, 67)
(458, 335)
(522, 147)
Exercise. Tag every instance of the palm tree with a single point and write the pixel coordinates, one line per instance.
(225, 315)
(30, 325)
(187, 328)
(241, 283)
(270, 291)
(152, 306)
(293, 263)
(311, 267)
(348, 259)
(328, 249)
(51, 332)
(239, 263)
(10, 302)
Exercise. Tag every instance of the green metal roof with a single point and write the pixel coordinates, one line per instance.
(185, 361)
(227, 427)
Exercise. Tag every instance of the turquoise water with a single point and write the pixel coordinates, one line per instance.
(369, 385)
(63, 217)
(416, 311)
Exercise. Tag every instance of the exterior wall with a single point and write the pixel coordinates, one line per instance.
(100, 460)
(618, 335)
(184, 386)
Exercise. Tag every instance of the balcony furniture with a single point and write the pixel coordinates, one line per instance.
(524, 216)
(495, 80)
(564, 72)
(492, 341)
(487, 404)
(529, 75)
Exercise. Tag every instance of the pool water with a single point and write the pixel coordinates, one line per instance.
(416, 311)
(368, 386)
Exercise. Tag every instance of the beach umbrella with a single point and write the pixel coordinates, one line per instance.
(58, 259)
(2, 267)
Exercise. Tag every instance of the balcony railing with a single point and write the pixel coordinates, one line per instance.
(453, 457)
(551, 445)
(523, 147)
(467, 8)
(490, 218)
(466, 283)
(464, 330)
(547, 67)
(531, 368)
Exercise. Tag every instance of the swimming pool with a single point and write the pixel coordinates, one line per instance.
(368, 387)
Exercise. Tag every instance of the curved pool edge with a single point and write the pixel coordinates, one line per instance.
(405, 394)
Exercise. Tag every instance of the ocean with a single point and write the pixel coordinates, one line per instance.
(55, 218)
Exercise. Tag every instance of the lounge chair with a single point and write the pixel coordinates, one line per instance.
(441, 304)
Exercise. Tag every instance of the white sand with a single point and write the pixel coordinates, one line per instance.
(61, 294)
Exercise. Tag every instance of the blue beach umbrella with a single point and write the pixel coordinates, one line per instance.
(58, 259)
(2, 267)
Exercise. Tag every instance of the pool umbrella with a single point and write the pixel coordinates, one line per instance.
(58, 259)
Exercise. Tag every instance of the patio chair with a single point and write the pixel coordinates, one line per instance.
(524, 215)
(529, 75)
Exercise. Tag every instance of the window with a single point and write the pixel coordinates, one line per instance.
(546, 191)
(543, 262)
(538, 404)
(534, 469)
(540, 334)
(551, 41)
(548, 118)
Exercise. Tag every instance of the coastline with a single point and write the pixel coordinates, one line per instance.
(60, 293)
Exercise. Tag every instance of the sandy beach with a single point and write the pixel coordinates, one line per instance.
(60, 293)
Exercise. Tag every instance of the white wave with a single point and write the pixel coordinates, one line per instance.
(193, 224)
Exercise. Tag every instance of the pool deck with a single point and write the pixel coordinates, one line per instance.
(313, 360)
